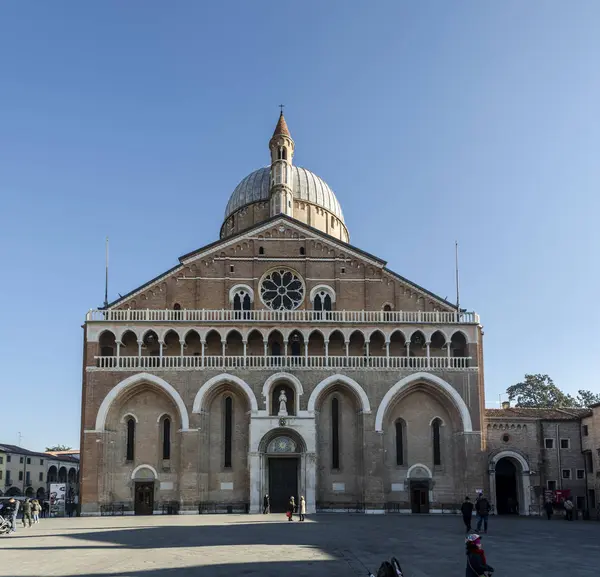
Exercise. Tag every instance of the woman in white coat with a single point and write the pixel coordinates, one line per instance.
(302, 508)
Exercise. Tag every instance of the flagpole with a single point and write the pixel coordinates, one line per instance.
(106, 278)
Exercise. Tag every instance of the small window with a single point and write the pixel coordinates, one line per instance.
(20, 475)
(1, 472)
(21, 460)
(41, 461)
(1, 459)
(332, 222)
(565, 443)
(566, 473)
(261, 250)
(176, 307)
(302, 251)
(585, 431)
(399, 444)
(580, 474)
(387, 308)
(8, 458)
(505, 438)
(589, 461)
(41, 479)
(549, 443)
(231, 268)
(551, 485)
(29, 460)
(343, 270)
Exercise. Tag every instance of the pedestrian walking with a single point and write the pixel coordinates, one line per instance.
(14, 510)
(266, 505)
(302, 509)
(549, 508)
(467, 513)
(568, 504)
(27, 513)
(476, 561)
(482, 508)
(292, 508)
(35, 510)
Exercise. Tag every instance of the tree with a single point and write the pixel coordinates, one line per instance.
(58, 448)
(539, 391)
(586, 398)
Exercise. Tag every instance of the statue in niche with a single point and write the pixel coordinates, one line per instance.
(282, 404)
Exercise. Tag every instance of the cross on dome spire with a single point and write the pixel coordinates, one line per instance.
(282, 127)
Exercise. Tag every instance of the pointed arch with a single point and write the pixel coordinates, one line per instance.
(332, 380)
(133, 381)
(434, 381)
(201, 395)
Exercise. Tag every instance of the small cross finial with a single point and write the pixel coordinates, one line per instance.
(281, 107)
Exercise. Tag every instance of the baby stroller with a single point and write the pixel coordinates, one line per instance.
(389, 568)
(5, 526)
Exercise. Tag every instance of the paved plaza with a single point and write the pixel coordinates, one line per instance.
(332, 545)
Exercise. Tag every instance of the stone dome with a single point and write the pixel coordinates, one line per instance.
(307, 186)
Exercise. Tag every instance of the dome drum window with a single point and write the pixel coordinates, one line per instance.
(282, 289)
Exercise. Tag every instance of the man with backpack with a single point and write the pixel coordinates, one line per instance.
(482, 508)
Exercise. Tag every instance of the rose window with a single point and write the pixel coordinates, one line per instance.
(282, 290)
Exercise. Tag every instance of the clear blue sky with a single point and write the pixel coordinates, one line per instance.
(432, 121)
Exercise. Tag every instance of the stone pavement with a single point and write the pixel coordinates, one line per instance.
(331, 545)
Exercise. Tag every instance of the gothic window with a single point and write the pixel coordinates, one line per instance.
(166, 439)
(323, 298)
(228, 430)
(399, 442)
(335, 433)
(241, 298)
(282, 289)
(435, 431)
(261, 250)
(130, 439)
(302, 251)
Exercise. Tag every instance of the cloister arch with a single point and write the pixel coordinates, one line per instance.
(139, 379)
(344, 380)
(426, 378)
(202, 394)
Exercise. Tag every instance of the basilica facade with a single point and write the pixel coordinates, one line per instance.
(282, 360)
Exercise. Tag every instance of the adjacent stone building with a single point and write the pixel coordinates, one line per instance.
(283, 360)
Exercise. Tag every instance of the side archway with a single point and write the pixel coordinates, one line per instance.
(343, 379)
(201, 395)
(510, 484)
(446, 388)
(138, 379)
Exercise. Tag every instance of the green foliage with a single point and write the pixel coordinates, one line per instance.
(58, 448)
(540, 392)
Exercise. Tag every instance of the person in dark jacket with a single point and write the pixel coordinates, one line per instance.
(467, 513)
(549, 508)
(292, 508)
(27, 518)
(482, 508)
(14, 510)
(476, 562)
(266, 505)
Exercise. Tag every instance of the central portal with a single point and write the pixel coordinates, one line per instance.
(283, 482)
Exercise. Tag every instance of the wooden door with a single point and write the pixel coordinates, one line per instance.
(144, 498)
(283, 482)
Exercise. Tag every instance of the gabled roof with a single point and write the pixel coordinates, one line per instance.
(266, 224)
(569, 414)
(27, 453)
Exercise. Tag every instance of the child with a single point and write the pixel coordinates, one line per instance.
(476, 561)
